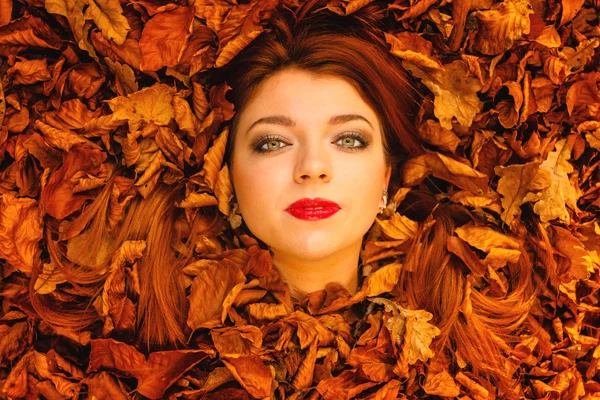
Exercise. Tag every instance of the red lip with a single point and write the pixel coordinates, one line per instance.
(300, 208)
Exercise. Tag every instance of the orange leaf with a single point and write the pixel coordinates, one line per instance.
(163, 38)
(20, 231)
(252, 374)
(215, 283)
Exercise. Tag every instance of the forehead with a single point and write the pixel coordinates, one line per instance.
(303, 95)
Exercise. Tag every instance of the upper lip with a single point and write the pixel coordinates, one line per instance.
(310, 203)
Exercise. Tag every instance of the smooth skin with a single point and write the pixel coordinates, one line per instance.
(310, 157)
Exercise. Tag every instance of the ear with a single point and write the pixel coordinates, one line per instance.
(388, 175)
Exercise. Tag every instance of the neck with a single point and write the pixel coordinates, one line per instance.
(307, 276)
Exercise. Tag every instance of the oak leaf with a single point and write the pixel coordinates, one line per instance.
(422, 331)
(519, 184)
(455, 92)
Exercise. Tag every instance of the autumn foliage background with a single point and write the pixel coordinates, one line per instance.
(512, 131)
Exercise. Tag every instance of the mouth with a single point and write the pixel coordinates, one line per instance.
(312, 213)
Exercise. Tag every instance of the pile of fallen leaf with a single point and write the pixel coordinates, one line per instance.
(89, 86)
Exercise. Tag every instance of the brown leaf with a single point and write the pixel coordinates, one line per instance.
(20, 231)
(412, 47)
(14, 342)
(240, 27)
(216, 283)
(502, 25)
(163, 38)
(432, 163)
(104, 386)
(28, 72)
(237, 341)
(251, 373)
(304, 377)
(58, 197)
(155, 375)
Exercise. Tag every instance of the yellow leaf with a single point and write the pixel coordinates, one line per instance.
(455, 92)
(422, 332)
(213, 160)
(50, 277)
(412, 47)
(108, 16)
(224, 190)
(381, 281)
(398, 227)
(560, 193)
(433, 163)
(518, 184)
(195, 200)
(151, 104)
(549, 37)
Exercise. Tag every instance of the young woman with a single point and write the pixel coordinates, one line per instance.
(324, 123)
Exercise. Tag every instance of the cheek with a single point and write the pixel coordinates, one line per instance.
(256, 185)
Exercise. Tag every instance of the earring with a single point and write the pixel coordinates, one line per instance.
(384, 201)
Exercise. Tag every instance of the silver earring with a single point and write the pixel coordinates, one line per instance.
(384, 201)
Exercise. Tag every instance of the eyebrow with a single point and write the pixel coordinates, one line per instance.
(287, 121)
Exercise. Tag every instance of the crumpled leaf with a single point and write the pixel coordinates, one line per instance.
(163, 38)
(217, 283)
(154, 375)
(502, 25)
(251, 373)
(560, 193)
(422, 331)
(432, 163)
(454, 90)
(518, 184)
(108, 16)
(151, 104)
(20, 232)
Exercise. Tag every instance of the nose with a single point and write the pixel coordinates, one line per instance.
(313, 163)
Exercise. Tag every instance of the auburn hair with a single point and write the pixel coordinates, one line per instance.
(433, 279)
(350, 47)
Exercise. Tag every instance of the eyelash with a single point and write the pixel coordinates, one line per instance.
(269, 138)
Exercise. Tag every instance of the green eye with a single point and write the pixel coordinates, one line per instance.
(349, 141)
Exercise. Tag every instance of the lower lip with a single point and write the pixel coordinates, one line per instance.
(312, 215)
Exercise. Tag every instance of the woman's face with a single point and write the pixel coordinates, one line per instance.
(304, 148)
